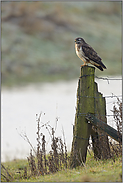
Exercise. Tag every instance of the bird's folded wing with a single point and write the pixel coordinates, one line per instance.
(90, 53)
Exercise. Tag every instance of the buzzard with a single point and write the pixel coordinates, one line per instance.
(87, 54)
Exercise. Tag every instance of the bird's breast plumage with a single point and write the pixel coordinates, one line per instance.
(79, 51)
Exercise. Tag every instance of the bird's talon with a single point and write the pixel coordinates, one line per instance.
(83, 65)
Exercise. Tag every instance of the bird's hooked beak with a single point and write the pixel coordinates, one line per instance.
(77, 42)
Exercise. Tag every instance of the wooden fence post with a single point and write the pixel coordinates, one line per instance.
(100, 139)
(85, 104)
(89, 100)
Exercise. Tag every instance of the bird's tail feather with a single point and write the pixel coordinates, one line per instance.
(99, 67)
(103, 65)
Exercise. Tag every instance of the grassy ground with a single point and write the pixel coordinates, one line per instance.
(109, 170)
(38, 39)
(93, 171)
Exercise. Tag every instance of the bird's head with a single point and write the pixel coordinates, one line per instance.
(79, 40)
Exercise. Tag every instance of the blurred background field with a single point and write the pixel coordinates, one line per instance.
(37, 49)
(38, 39)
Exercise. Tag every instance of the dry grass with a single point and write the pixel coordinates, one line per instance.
(55, 160)
(54, 166)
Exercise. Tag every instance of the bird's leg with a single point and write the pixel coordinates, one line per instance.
(85, 63)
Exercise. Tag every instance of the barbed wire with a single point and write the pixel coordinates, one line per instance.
(86, 75)
(95, 136)
(110, 96)
(108, 78)
(113, 96)
(103, 78)
(81, 138)
(111, 102)
(84, 114)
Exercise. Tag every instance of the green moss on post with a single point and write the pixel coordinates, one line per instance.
(85, 104)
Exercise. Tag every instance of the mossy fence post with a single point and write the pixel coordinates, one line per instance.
(89, 100)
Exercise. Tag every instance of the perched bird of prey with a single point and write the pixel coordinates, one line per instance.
(87, 54)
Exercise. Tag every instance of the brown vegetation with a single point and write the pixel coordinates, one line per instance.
(58, 159)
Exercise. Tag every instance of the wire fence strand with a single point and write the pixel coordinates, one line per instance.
(110, 96)
(103, 78)
(108, 78)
